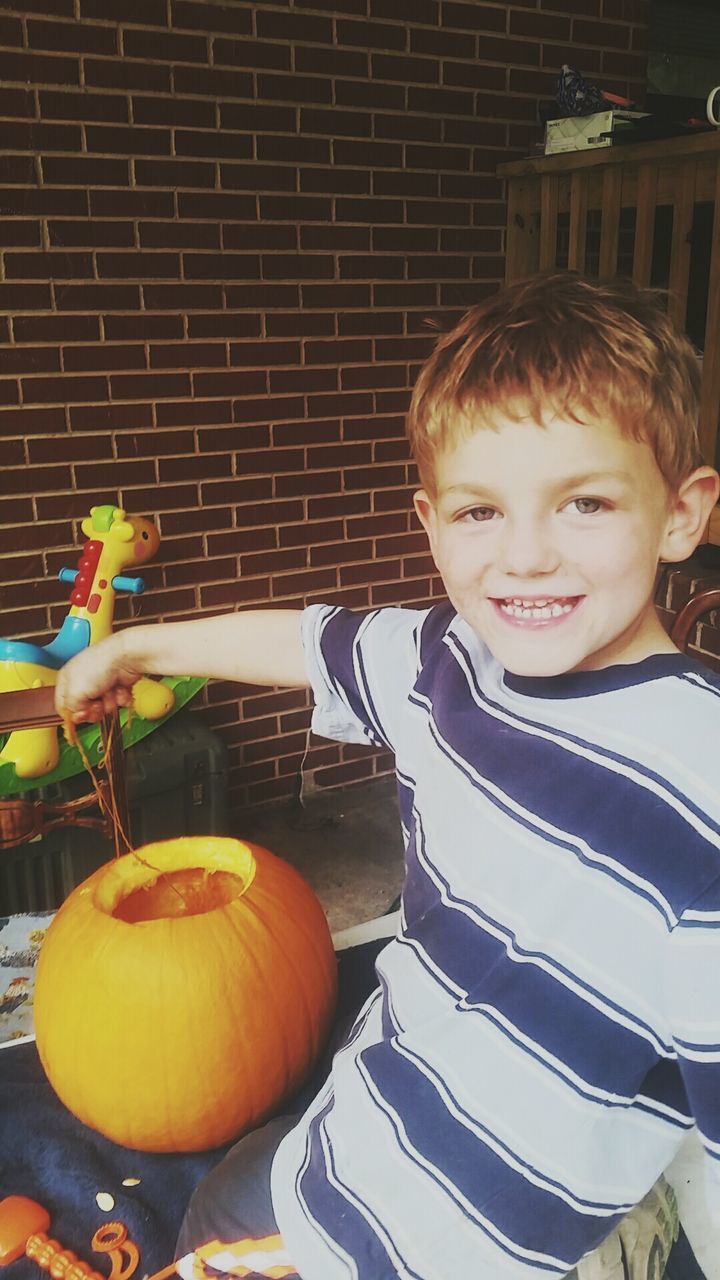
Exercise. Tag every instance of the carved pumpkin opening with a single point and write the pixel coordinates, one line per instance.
(189, 892)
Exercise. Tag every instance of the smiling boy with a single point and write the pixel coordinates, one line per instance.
(546, 1027)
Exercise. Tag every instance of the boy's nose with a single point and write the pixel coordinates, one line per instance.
(527, 549)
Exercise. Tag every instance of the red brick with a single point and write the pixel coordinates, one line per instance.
(183, 516)
(193, 412)
(31, 421)
(195, 355)
(143, 12)
(25, 297)
(29, 360)
(135, 386)
(605, 34)
(113, 417)
(172, 47)
(305, 484)
(182, 297)
(272, 513)
(131, 204)
(268, 409)
(294, 88)
(74, 448)
(155, 444)
(104, 357)
(142, 326)
(15, 101)
(213, 82)
(176, 111)
(84, 171)
(331, 62)
(378, 571)
(219, 266)
(39, 68)
(91, 232)
(235, 382)
(174, 173)
(97, 297)
(257, 117)
(9, 393)
(239, 541)
(63, 390)
(127, 140)
(224, 324)
(262, 295)
(211, 143)
(210, 17)
(242, 489)
(339, 552)
(252, 54)
(232, 593)
(194, 467)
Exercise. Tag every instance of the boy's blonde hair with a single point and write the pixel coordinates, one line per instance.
(562, 344)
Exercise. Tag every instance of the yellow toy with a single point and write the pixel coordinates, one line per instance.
(116, 542)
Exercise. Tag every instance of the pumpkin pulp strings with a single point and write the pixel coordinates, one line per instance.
(110, 808)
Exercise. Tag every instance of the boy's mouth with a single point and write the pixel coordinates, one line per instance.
(537, 609)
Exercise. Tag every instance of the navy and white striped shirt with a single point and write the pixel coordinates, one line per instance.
(547, 1025)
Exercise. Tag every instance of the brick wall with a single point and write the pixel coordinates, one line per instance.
(225, 227)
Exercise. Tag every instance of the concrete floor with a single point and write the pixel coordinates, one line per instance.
(347, 844)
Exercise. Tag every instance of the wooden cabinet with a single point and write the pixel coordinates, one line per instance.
(646, 210)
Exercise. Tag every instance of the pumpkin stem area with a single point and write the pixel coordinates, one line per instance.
(188, 891)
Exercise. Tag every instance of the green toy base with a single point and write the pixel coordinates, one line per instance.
(184, 688)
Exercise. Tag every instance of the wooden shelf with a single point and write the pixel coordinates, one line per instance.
(559, 204)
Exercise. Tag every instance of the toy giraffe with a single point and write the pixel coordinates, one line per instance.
(116, 542)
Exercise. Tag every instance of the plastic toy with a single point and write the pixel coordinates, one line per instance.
(23, 1230)
(116, 542)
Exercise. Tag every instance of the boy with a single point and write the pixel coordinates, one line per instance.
(547, 1024)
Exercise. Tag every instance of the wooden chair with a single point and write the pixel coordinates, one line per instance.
(698, 605)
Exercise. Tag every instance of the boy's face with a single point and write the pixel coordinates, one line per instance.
(548, 540)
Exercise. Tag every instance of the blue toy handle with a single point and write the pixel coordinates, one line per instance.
(135, 586)
(120, 582)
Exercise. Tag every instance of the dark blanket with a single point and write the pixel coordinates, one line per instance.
(48, 1155)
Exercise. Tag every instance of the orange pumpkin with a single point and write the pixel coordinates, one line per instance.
(183, 992)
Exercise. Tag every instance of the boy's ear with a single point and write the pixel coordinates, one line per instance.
(689, 514)
(426, 515)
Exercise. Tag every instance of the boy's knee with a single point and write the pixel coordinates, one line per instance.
(233, 1200)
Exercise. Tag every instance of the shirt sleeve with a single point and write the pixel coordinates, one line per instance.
(362, 667)
(693, 989)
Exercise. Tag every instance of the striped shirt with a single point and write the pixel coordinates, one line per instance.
(547, 1023)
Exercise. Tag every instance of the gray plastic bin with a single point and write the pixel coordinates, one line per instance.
(177, 785)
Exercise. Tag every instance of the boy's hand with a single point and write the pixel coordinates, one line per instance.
(96, 681)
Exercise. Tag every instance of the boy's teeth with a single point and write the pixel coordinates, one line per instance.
(517, 607)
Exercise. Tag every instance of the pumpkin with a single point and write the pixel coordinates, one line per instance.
(183, 992)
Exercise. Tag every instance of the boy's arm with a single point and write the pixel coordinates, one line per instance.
(260, 646)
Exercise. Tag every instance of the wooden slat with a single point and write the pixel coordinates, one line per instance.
(710, 397)
(548, 221)
(578, 222)
(610, 229)
(684, 206)
(521, 249)
(644, 223)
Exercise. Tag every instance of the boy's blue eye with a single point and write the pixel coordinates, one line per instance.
(480, 514)
(587, 506)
